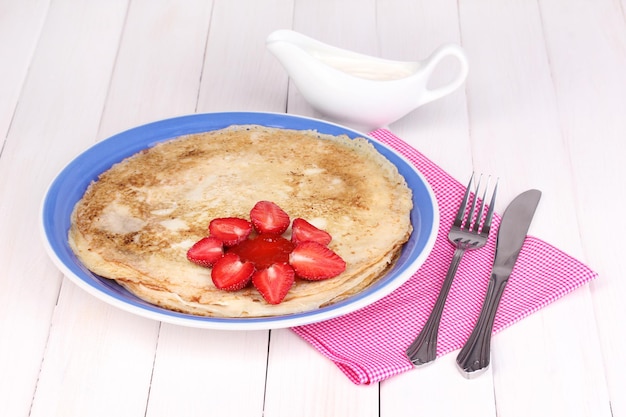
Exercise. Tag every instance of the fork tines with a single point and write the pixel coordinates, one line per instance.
(470, 220)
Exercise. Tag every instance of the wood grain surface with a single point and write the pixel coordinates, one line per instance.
(543, 107)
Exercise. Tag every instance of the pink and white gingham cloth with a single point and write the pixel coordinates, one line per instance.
(369, 345)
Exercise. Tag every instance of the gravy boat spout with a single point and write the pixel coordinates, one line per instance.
(354, 88)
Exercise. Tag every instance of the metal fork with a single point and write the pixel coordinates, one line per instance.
(468, 232)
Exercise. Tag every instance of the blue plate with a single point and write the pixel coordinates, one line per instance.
(68, 188)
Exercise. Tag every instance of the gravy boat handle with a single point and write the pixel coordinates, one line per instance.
(429, 66)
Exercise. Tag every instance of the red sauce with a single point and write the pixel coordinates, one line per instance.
(264, 250)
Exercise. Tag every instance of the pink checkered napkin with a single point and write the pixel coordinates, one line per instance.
(368, 345)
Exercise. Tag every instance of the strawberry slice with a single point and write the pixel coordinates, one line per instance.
(230, 273)
(302, 231)
(230, 230)
(267, 217)
(206, 251)
(274, 282)
(313, 261)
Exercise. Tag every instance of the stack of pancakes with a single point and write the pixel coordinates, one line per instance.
(137, 221)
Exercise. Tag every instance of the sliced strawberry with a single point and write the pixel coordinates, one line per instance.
(274, 282)
(230, 273)
(313, 261)
(206, 251)
(302, 231)
(230, 230)
(267, 217)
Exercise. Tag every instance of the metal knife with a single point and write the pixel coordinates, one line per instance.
(473, 359)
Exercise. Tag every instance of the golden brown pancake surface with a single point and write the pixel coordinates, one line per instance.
(137, 221)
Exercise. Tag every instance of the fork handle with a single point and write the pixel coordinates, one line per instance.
(424, 348)
(473, 359)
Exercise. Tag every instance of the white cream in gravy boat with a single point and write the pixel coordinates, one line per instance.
(358, 89)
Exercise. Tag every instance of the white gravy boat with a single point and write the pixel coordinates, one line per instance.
(358, 89)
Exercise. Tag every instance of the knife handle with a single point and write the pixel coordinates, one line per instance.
(473, 359)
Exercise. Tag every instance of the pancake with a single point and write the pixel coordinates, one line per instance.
(136, 222)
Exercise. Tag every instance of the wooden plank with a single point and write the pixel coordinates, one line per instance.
(73, 70)
(300, 381)
(428, 391)
(98, 360)
(513, 111)
(591, 97)
(20, 27)
(239, 73)
(159, 64)
(201, 372)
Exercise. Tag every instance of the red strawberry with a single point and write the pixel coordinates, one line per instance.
(230, 273)
(230, 230)
(313, 261)
(302, 231)
(206, 251)
(274, 282)
(267, 217)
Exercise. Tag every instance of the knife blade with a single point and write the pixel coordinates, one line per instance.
(474, 357)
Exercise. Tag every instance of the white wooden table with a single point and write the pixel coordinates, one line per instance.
(543, 107)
